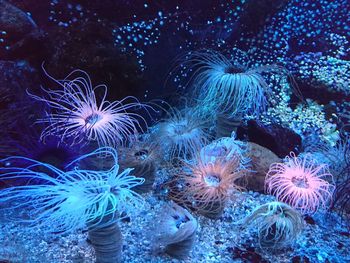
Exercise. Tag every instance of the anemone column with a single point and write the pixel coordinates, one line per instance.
(107, 242)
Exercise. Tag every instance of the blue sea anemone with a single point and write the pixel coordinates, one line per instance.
(227, 87)
(73, 199)
(76, 112)
(182, 133)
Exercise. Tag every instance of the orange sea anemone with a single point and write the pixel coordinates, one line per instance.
(207, 186)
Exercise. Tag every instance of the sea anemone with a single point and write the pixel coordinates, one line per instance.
(226, 148)
(278, 225)
(73, 199)
(337, 157)
(301, 183)
(227, 87)
(207, 186)
(76, 112)
(175, 231)
(182, 133)
(143, 156)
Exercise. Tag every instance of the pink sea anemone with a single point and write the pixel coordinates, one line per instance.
(301, 183)
(77, 113)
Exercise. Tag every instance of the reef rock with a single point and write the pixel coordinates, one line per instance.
(261, 159)
(321, 77)
(276, 138)
(19, 33)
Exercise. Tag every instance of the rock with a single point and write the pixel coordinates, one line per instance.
(16, 78)
(274, 137)
(248, 255)
(308, 219)
(321, 77)
(300, 259)
(22, 37)
(89, 46)
(261, 159)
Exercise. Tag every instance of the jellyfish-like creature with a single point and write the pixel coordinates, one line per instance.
(226, 87)
(70, 200)
(76, 112)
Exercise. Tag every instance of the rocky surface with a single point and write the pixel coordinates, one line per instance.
(278, 139)
(223, 240)
(261, 159)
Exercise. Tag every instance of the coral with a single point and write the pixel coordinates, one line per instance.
(300, 182)
(73, 199)
(206, 186)
(175, 231)
(226, 87)
(325, 72)
(306, 119)
(182, 133)
(277, 224)
(302, 25)
(76, 112)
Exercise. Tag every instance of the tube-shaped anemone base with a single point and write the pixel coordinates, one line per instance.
(107, 242)
(212, 210)
(175, 231)
(181, 249)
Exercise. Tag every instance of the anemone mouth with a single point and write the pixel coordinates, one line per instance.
(141, 154)
(178, 129)
(93, 118)
(180, 220)
(234, 69)
(300, 182)
(212, 180)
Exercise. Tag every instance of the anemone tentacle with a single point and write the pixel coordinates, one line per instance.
(75, 112)
(228, 87)
(73, 199)
(300, 182)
